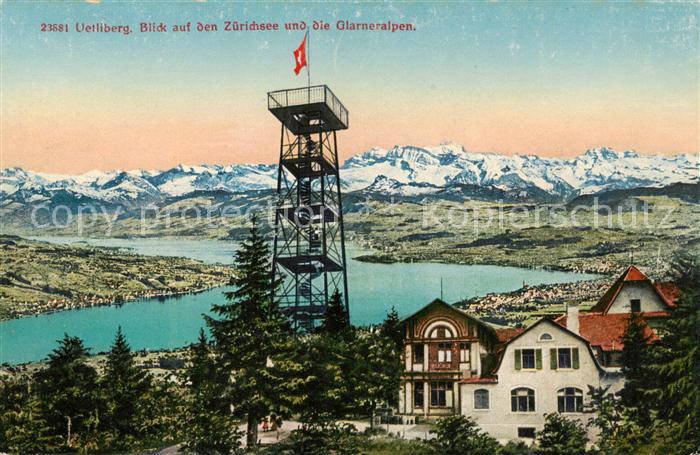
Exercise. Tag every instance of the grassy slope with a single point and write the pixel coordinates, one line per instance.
(34, 273)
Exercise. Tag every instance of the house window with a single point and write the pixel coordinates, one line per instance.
(418, 353)
(464, 352)
(636, 305)
(444, 352)
(418, 398)
(564, 357)
(481, 399)
(570, 399)
(522, 400)
(528, 359)
(546, 337)
(526, 432)
(438, 393)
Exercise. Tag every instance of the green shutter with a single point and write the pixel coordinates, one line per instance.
(538, 359)
(517, 359)
(574, 354)
(553, 358)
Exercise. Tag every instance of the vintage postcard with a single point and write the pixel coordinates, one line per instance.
(431, 227)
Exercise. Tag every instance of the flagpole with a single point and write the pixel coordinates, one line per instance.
(308, 66)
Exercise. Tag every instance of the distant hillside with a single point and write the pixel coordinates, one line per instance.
(688, 192)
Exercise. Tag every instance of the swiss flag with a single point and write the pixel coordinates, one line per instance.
(300, 56)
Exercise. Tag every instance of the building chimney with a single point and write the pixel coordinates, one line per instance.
(572, 317)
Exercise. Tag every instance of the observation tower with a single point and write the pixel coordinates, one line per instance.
(309, 244)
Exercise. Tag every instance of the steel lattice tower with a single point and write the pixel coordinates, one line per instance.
(309, 245)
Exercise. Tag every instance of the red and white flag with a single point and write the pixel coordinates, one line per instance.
(300, 56)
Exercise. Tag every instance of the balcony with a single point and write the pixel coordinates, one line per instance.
(308, 110)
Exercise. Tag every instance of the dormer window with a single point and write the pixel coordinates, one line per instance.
(546, 337)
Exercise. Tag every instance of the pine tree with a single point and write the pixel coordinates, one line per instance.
(247, 332)
(336, 320)
(676, 360)
(209, 427)
(23, 430)
(67, 390)
(393, 329)
(375, 372)
(315, 385)
(634, 367)
(22, 426)
(124, 386)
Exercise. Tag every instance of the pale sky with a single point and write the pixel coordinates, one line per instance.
(548, 79)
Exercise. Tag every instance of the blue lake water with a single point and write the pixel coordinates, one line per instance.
(175, 322)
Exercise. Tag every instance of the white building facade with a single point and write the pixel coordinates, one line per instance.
(545, 369)
(507, 380)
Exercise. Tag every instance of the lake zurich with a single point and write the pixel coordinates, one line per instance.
(175, 322)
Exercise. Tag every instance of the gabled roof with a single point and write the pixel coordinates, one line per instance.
(506, 333)
(559, 326)
(435, 302)
(605, 330)
(458, 312)
(632, 274)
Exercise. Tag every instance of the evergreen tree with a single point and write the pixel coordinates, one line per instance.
(375, 371)
(247, 332)
(22, 426)
(634, 367)
(676, 360)
(315, 384)
(67, 390)
(336, 320)
(209, 427)
(124, 387)
(202, 371)
(561, 436)
(393, 329)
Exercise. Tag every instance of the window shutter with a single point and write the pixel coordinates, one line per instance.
(553, 358)
(538, 359)
(517, 359)
(574, 354)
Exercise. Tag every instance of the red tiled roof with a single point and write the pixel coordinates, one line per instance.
(479, 380)
(505, 334)
(605, 330)
(632, 274)
(670, 291)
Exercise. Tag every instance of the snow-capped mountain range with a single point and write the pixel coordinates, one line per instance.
(401, 170)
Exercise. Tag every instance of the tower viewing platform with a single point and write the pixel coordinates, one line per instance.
(308, 109)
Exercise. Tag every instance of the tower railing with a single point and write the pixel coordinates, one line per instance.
(308, 95)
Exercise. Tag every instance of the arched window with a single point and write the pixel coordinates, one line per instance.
(570, 399)
(546, 337)
(481, 399)
(441, 332)
(522, 400)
